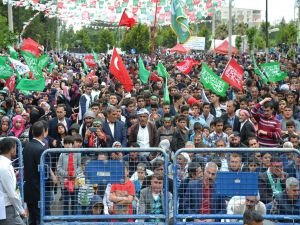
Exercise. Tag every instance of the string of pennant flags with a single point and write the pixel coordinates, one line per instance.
(84, 12)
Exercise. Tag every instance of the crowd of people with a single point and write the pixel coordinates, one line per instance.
(80, 111)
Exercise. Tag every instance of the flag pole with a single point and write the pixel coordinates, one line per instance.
(153, 33)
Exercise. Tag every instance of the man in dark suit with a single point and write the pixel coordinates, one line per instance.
(201, 196)
(32, 154)
(114, 128)
(60, 118)
(246, 128)
(230, 118)
(272, 182)
(144, 133)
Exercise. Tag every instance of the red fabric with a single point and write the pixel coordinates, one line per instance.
(191, 101)
(179, 48)
(69, 183)
(233, 74)
(126, 21)
(90, 61)
(185, 66)
(31, 46)
(118, 69)
(205, 205)
(122, 190)
(223, 48)
(11, 83)
(154, 77)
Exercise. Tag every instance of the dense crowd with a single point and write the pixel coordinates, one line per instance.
(77, 110)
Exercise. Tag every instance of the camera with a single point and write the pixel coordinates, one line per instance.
(93, 129)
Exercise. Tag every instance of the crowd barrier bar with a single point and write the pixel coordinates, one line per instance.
(177, 216)
(75, 219)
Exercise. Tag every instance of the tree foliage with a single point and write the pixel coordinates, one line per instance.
(238, 42)
(251, 33)
(165, 37)
(221, 31)
(240, 29)
(137, 38)
(205, 32)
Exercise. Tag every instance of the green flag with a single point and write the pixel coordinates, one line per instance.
(273, 72)
(5, 70)
(95, 57)
(212, 81)
(143, 73)
(166, 93)
(259, 72)
(161, 70)
(85, 67)
(43, 61)
(12, 52)
(180, 22)
(33, 64)
(31, 85)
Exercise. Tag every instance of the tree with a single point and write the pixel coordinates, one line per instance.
(205, 32)
(240, 29)
(105, 37)
(137, 38)
(238, 42)
(6, 37)
(165, 37)
(221, 31)
(251, 32)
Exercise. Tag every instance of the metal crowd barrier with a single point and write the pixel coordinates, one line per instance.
(246, 184)
(18, 166)
(86, 191)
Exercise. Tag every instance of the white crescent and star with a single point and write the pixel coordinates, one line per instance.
(116, 63)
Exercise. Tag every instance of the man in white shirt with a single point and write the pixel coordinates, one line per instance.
(8, 195)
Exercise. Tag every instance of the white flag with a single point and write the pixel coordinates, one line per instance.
(19, 67)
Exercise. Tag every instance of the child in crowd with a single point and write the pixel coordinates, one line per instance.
(85, 191)
(68, 167)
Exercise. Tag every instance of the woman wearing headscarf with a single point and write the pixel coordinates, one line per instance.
(75, 95)
(4, 126)
(18, 126)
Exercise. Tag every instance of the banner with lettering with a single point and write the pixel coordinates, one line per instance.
(233, 74)
(212, 81)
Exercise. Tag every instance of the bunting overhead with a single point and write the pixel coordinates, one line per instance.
(84, 12)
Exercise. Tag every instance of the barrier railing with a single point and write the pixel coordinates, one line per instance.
(102, 186)
(246, 178)
(17, 163)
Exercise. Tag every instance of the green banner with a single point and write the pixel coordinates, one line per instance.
(180, 22)
(212, 81)
(273, 72)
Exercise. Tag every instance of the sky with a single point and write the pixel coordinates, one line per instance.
(277, 8)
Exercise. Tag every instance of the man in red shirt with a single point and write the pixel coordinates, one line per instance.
(269, 128)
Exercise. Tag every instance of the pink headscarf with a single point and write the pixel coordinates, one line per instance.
(16, 131)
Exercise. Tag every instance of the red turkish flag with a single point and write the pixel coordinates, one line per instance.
(233, 74)
(11, 83)
(118, 69)
(31, 46)
(185, 66)
(90, 61)
(126, 21)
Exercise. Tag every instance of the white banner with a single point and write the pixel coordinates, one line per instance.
(19, 67)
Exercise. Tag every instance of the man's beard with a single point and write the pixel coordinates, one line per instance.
(241, 121)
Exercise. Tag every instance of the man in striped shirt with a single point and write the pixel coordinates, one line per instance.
(269, 128)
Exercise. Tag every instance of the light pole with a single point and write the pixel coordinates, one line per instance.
(267, 32)
(230, 30)
(10, 16)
